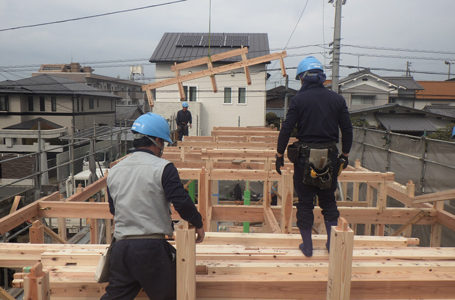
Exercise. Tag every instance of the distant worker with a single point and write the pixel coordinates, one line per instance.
(184, 120)
(141, 189)
(453, 133)
(319, 114)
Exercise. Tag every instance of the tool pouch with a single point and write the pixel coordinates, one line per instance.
(293, 152)
(318, 167)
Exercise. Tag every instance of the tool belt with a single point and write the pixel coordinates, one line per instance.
(155, 236)
(318, 167)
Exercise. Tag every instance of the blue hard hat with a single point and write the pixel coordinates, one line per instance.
(152, 125)
(453, 133)
(308, 63)
(185, 104)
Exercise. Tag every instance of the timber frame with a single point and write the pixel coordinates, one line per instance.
(211, 71)
(267, 265)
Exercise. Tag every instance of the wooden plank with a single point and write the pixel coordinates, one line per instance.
(36, 233)
(204, 199)
(286, 204)
(48, 209)
(248, 133)
(53, 235)
(4, 294)
(246, 69)
(213, 71)
(409, 223)
(186, 264)
(348, 176)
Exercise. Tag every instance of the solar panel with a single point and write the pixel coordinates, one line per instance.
(185, 40)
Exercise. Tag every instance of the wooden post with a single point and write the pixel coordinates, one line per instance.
(5, 295)
(410, 191)
(94, 229)
(62, 224)
(436, 228)
(370, 203)
(36, 233)
(186, 262)
(204, 203)
(16, 201)
(286, 205)
(381, 202)
(340, 261)
(36, 284)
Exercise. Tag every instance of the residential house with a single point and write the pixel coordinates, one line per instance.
(59, 100)
(365, 89)
(235, 103)
(447, 110)
(275, 100)
(402, 119)
(130, 91)
(435, 93)
(125, 115)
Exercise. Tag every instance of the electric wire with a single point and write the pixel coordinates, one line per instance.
(93, 16)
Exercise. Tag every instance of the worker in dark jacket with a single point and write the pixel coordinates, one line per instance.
(183, 120)
(319, 114)
(141, 189)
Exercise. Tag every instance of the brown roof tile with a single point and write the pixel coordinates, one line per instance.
(436, 90)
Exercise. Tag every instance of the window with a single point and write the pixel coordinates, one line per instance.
(362, 100)
(53, 103)
(77, 104)
(97, 102)
(91, 103)
(42, 103)
(30, 103)
(82, 104)
(4, 103)
(403, 101)
(190, 93)
(227, 95)
(242, 96)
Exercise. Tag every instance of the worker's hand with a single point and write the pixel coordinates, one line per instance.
(200, 234)
(190, 126)
(343, 159)
(279, 163)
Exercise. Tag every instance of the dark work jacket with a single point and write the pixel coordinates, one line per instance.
(184, 117)
(319, 114)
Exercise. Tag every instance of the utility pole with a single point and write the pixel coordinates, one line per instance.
(336, 44)
(448, 63)
(408, 71)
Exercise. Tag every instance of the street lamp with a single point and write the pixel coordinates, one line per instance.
(449, 63)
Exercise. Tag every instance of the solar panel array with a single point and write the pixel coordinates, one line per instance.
(215, 40)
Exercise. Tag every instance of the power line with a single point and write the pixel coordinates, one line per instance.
(398, 49)
(94, 16)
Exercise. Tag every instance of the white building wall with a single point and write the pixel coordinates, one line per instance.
(213, 111)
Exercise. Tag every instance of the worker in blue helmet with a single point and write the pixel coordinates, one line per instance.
(319, 115)
(184, 120)
(141, 189)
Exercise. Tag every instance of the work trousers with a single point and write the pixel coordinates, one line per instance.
(307, 193)
(183, 131)
(142, 263)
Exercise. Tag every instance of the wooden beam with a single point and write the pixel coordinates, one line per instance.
(54, 236)
(270, 220)
(213, 71)
(5, 295)
(36, 284)
(36, 233)
(205, 60)
(16, 201)
(286, 204)
(438, 196)
(419, 216)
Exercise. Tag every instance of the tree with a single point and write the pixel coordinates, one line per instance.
(357, 122)
(443, 133)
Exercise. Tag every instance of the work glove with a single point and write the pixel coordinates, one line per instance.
(343, 162)
(279, 163)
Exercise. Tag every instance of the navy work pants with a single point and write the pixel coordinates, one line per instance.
(306, 193)
(146, 263)
(183, 131)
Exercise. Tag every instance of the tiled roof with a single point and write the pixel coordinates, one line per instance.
(444, 90)
(47, 84)
(33, 125)
(406, 82)
(446, 110)
(125, 112)
(279, 92)
(405, 122)
(169, 49)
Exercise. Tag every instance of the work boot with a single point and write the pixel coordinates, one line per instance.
(328, 227)
(307, 246)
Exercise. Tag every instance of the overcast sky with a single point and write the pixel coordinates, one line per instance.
(423, 30)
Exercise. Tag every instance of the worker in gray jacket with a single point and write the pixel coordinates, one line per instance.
(141, 189)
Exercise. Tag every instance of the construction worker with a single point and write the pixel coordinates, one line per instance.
(453, 133)
(141, 189)
(319, 114)
(184, 120)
